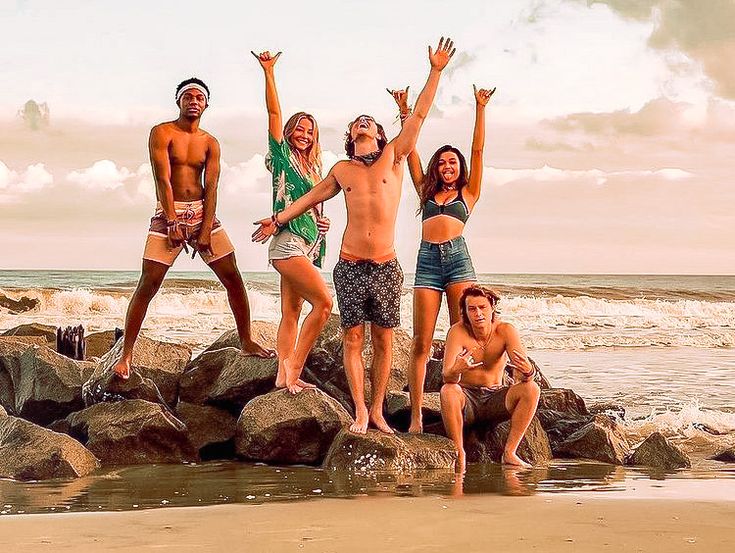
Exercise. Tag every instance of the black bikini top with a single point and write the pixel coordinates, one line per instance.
(457, 208)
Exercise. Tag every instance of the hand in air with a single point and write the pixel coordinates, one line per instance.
(400, 96)
(482, 96)
(444, 52)
(466, 361)
(520, 363)
(266, 228)
(266, 60)
(323, 224)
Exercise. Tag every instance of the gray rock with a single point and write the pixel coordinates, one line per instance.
(263, 332)
(97, 344)
(160, 362)
(562, 400)
(130, 432)
(10, 354)
(398, 409)
(211, 430)
(657, 452)
(283, 428)
(602, 439)
(47, 386)
(726, 455)
(324, 366)
(379, 452)
(18, 306)
(486, 444)
(226, 378)
(48, 332)
(30, 452)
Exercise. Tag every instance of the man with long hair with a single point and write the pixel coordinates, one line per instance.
(185, 162)
(368, 278)
(474, 361)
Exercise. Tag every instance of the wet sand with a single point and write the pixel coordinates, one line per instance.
(546, 522)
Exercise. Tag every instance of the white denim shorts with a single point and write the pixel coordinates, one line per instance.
(286, 244)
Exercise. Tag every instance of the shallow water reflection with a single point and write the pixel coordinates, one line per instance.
(146, 487)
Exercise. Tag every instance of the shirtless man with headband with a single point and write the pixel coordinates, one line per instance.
(367, 278)
(185, 161)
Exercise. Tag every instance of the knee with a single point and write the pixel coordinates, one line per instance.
(421, 347)
(449, 394)
(232, 280)
(148, 287)
(323, 307)
(531, 391)
(353, 338)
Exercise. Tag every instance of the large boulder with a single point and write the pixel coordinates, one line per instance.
(160, 362)
(30, 452)
(561, 413)
(47, 332)
(263, 332)
(211, 430)
(226, 378)
(324, 366)
(376, 451)
(398, 409)
(10, 354)
(601, 439)
(726, 455)
(47, 386)
(283, 428)
(657, 452)
(485, 444)
(130, 432)
(98, 344)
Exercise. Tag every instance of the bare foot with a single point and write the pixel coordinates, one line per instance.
(294, 388)
(417, 426)
(306, 385)
(377, 420)
(122, 369)
(510, 458)
(256, 350)
(281, 375)
(361, 422)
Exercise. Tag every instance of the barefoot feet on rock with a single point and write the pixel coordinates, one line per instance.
(377, 420)
(256, 350)
(417, 426)
(361, 422)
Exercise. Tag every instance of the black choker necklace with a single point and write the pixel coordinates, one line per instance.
(367, 159)
(447, 188)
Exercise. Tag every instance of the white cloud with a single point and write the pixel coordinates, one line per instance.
(35, 177)
(103, 175)
(499, 176)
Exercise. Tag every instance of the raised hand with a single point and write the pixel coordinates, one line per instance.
(266, 60)
(482, 96)
(520, 363)
(444, 52)
(400, 96)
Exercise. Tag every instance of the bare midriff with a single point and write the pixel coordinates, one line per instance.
(441, 228)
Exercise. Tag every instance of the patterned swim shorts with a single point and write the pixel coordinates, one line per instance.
(368, 291)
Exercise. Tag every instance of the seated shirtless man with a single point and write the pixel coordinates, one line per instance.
(474, 362)
(185, 162)
(368, 278)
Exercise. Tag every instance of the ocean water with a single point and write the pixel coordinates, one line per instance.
(663, 347)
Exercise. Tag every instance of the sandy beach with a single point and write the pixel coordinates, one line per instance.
(472, 523)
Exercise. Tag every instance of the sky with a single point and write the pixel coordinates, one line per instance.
(609, 148)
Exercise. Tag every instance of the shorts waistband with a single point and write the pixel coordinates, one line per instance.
(344, 256)
(448, 244)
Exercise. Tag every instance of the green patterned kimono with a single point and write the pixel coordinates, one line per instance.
(289, 184)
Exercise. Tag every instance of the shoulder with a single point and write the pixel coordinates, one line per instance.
(212, 142)
(457, 332)
(340, 167)
(162, 129)
(506, 329)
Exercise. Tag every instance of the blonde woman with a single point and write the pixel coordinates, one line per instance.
(294, 159)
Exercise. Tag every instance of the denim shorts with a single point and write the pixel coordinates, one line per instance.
(439, 265)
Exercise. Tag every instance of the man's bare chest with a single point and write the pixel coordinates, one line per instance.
(191, 152)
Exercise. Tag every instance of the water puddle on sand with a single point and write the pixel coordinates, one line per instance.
(217, 483)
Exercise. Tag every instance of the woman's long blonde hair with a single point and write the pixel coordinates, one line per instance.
(311, 161)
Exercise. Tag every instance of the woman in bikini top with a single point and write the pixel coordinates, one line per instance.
(447, 192)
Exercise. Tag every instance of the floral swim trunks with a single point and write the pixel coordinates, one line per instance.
(368, 290)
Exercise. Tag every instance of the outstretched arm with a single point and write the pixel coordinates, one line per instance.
(482, 97)
(406, 139)
(414, 161)
(328, 188)
(268, 62)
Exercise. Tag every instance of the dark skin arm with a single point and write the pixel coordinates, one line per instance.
(211, 180)
(158, 150)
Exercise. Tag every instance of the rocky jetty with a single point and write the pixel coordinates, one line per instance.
(223, 405)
